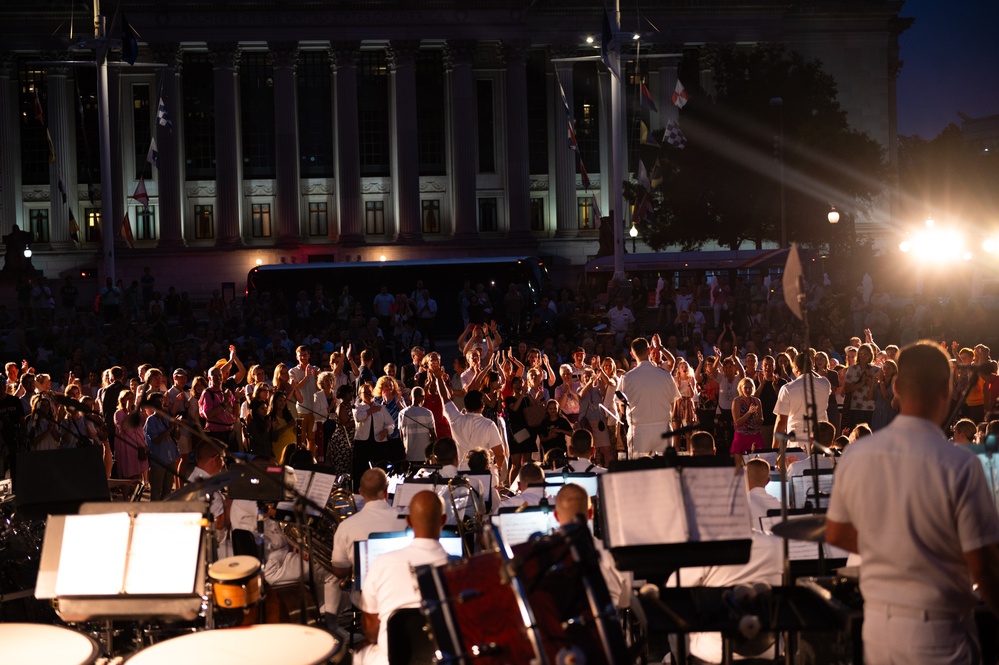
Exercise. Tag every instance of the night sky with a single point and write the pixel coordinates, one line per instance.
(951, 57)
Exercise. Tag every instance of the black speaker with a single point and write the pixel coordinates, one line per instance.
(56, 482)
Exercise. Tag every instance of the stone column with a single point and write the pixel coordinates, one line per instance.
(289, 206)
(518, 177)
(228, 162)
(10, 146)
(60, 122)
(566, 224)
(405, 144)
(120, 201)
(458, 56)
(170, 171)
(345, 134)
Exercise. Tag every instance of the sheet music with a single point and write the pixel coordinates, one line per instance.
(803, 489)
(803, 550)
(320, 489)
(628, 499)
(517, 528)
(717, 503)
(302, 480)
(163, 558)
(405, 492)
(93, 555)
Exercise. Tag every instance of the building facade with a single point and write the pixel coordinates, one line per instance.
(301, 131)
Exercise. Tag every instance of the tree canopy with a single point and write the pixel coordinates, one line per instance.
(725, 184)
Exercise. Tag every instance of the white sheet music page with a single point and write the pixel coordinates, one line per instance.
(92, 559)
(643, 507)
(717, 503)
(303, 479)
(163, 558)
(320, 490)
(517, 528)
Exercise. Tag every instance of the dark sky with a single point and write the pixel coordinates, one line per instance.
(951, 57)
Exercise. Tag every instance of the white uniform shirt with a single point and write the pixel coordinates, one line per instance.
(585, 466)
(759, 503)
(620, 319)
(374, 517)
(531, 497)
(391, 585)
(471, 430)
(218, 506)
(791, 403)
(416, 423)
(651, 392)
(798, 468)
(918, 504)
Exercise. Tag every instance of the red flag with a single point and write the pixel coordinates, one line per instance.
(74, 228)
(126, 232)
(642, 209)
(646, 99)
(572, 138)
(140, 194)
(680, 96)
(583, 175)
(39, 115)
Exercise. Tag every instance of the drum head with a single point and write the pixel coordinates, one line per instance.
(234, 568)
(32, 643)
(254, 645)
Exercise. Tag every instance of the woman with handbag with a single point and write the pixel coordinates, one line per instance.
(373, 425)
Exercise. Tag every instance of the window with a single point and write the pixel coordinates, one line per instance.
(34, 145)
(584, 213)
(488, 215)
(431, 216)
(199, 118)
(318, 219)
(204, 222)
(484, 113)
(537, 112)
(537, 213)
(141, 130)
(430, 101)
(373, 113)
(38, 224)
(92, 224)
(145, 223)
(315, 110)
(586, 95)
(374, 217)
(256, 94)
(260, 220)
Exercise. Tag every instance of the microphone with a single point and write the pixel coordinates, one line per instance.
(621, 396)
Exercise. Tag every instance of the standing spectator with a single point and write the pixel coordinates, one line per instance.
(372, 424)
(148, 283)
(650, 393)
(387, 394)
(859, 385)
(793, 402)
(426, 318)
(13, 438)
(304, 377)
(130, 451)
(383, 305)
(884, 396)
(340, 446)
(417, 425)
(513, 309)
(620, 319)
(110, 299)
(159, 434)
(767, 390)
(218, 407)
(68, 295)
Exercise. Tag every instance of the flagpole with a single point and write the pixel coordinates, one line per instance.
(617, 122)
(104, 134)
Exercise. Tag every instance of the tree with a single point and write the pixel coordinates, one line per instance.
(725, 185)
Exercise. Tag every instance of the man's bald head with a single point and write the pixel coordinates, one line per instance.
(426, 515)
(757, 473)
(923, 382)
(374, 485)
(570, 501)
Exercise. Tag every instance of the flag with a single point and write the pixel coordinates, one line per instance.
(162, 117)
(126, 232)
(605, 41)
(91, 194)
(642, 209)
(646, 137)
(596, 208)
(561, 92)
(129, 42)
(39, 114)
(573, 145)
(583, 175)
(140, 194)
(646, 98)
(153, 155)
(62, 188)
(48, 137)
(74, 228)
(792, 281)
(680, 96)
(643, 176)
(674, 136)
(656, 177)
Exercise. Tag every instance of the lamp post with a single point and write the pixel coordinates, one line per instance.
(634, 234)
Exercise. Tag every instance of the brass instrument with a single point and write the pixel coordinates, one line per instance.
(317, 540)
(466, 523)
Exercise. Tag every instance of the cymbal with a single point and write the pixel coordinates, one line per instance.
(811, 528)
(202, 486)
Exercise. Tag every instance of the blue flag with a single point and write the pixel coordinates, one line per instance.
(129, 42)
(605, 42)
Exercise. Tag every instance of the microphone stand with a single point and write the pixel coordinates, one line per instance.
(811, 418)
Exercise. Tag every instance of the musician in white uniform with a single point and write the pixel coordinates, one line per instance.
(650, 392)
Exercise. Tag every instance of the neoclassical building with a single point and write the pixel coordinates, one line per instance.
(304, 130)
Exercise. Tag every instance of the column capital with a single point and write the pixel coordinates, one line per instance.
(224, 55)
(169, 53)
(284, 54)
(344, 54)
(402, 53)
(459, 52)
(514, 52)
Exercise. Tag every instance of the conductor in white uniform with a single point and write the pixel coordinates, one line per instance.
(650, 392)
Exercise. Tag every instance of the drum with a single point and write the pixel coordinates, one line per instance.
(472, 609)
(560, 580)
(236, 581)
(253, 645)
(33, 643)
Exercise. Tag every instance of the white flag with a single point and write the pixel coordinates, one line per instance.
(153, 155)
(792, 281)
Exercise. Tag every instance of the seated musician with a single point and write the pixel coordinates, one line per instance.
(210, 460)
(390, 584)
(580, 451)
(479, 461)
(757, 479)
(530, 474)
(702, 444)
(375, 517)
(824, 436)
(282, 563)
(572, 501)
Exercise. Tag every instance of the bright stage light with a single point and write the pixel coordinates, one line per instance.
(989, 245)
(937, 246)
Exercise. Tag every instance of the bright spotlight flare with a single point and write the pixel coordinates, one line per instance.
(936, 245)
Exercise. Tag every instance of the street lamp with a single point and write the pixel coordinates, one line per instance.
(833, 216)
(27, 252)
(634, 234)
